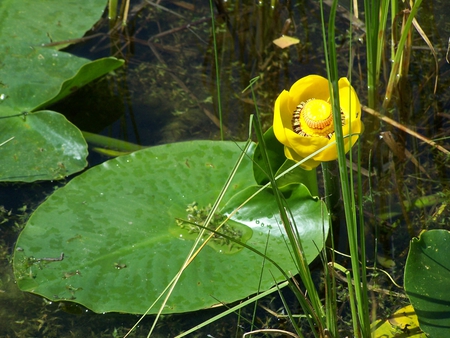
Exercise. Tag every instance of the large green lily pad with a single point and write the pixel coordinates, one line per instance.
(33, 77)
(427, 280)
(109, 239)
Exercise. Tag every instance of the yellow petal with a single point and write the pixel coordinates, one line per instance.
(281, 117)
(305, 146)
(330, 153)
(292, 155)
(357, 128)
(311, 86)
(349, 100)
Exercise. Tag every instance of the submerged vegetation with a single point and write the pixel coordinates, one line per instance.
(118, 236)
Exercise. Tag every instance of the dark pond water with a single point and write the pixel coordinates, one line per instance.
(168, 93)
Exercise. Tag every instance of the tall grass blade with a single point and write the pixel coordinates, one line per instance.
(393, 77)
(346, 184)
(312, 306)
(216, 66)
(234, 309)
(372, 10)
(380, 38)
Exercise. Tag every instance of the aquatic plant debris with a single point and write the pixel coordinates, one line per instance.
(197, 216)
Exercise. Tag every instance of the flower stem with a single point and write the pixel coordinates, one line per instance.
(331, 185)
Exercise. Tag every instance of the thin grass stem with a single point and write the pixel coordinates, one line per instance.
(312, 305)
(346, 184)
(216, 66)
(372, 10)
(234, 309)
(393, 77)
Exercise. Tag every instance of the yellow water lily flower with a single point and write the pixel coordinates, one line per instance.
(303, 119)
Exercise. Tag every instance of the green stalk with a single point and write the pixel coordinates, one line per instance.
(398, 54)
(332, 195)
(332, 201)
(351, 295)
(233, 309)
(371, 10)
(112, 10)
(346, 184)
(313, 307)
(331, 186)
(384, 12)
(363, 297)
(394, 11)
(216, 65)
(330, 293)
(362, 244)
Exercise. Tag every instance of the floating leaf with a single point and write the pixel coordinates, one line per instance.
(45, 146)
(427, 280)
(385, 261)
(275, 152)
(38, 22)
(84, 75)
(117, 227)
(261, 212)
(286, 41)
(402, 324)
(33, 77)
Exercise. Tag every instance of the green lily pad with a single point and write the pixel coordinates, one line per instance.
(275, 152)
(106, 239)
(87, 73)
(33, 77)
(427, 280)
(261, 212)
(38, 22)
(297, 175)
(43, 146)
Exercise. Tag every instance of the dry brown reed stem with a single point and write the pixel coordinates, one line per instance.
(405, 129)
(433, 51)
(400, 152)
